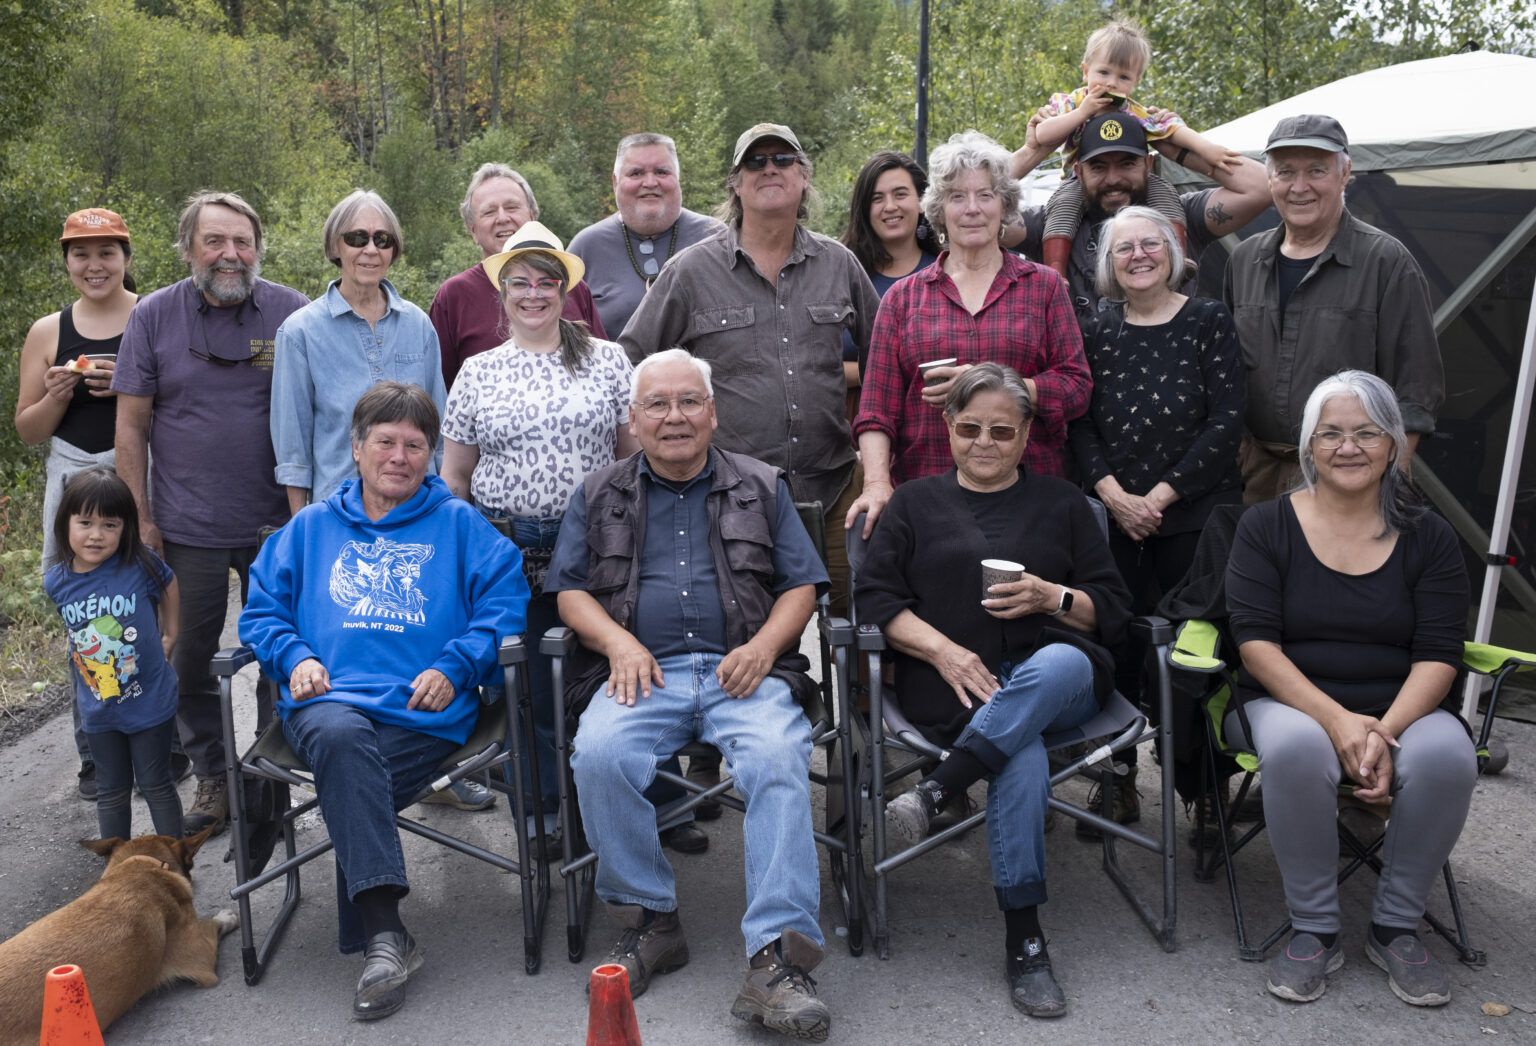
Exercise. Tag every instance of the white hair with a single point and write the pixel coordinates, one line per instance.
(669, 356)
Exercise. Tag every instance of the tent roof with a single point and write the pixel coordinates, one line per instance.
(1429, 113)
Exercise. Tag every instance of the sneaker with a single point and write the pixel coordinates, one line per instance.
(685, 838)
(910, 815)
(644, 950)
(87, 784)
(1031, 984)
(778, 992)
(464, 794)
(1299, 973)
(1415, 976)
(1126, 803)
(210, 809)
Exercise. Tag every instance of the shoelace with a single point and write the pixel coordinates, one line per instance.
(800, 978)
(628, 945)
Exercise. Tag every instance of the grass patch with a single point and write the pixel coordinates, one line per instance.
(32, 649)
(31, 657)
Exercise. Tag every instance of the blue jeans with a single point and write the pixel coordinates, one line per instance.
(766, 742)
(1053, 690)
(145, 756)
(365, 772)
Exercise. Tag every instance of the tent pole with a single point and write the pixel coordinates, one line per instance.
(1485, 273)
(1519, 418)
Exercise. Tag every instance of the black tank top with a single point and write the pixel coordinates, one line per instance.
(90, 422)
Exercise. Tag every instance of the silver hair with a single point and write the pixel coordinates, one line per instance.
(1104, 275)
(485, 173)
(674, 355)
(1269, 160)
(186, 226)
(967, 151)
(345, 213)
(988, 377)
(640, 141)
(1401, 504)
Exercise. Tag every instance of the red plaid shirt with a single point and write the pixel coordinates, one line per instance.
(1026, 322)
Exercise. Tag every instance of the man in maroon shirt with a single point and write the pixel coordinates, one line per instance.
(466, 311)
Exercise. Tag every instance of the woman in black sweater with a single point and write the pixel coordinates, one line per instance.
(1348, 601)
(988, 677)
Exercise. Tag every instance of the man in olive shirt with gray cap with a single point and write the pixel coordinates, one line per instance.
(1320, 293)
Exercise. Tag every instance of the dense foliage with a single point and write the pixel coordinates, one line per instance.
(133, 103)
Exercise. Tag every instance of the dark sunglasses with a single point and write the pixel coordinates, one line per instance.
(760, 160)
(999, 433)
(384, 241)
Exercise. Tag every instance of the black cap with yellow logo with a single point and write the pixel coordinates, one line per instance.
(1112, 133)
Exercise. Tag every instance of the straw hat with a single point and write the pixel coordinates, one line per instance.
(533, 236)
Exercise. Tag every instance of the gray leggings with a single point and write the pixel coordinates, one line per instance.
(1432, 777)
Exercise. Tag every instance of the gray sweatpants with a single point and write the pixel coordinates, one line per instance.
(1432, 777)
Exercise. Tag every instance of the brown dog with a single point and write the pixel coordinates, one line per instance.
(132, 932)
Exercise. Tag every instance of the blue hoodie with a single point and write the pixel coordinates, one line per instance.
(430, 585)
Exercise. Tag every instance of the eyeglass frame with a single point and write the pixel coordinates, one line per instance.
(1149, 246)
(1011, 431)
(668, 403)
(533, 287)
(1355, 437)
(383, 239)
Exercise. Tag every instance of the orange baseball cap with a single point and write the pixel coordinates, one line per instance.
(95, 223)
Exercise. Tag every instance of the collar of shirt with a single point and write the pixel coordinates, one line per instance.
(1340, 249)
(338, 306)
(805, 246)
(707, 472)
(1013, 269)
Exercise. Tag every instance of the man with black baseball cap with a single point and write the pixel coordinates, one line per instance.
(1320, 293)
(1113, 166)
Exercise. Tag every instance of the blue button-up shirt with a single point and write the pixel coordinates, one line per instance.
(326, 357)
(677, 607)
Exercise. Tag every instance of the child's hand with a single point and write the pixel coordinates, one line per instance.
(167, 643)
(1098, 100)
(1164, 117)
(1222, 159)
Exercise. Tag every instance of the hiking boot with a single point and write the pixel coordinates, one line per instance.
(704, 771)
(910, 815)
(1299, 972)
(1204, 828)
(1126, 803)
(778, 992)
(87, 784)
(1414, 975)
(647, 948)
(1031, 984)
(210, 809)
(464, 794)
(685, 838)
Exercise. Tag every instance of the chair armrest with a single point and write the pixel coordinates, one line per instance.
(838, 631)
(230, 662)
(1156, 631)
(558, 642)
(870, 638)
(512, 651)
(1488, 660)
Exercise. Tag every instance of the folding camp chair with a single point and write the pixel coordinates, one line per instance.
(1198, 649)
(494, 745)
(829, 731)
(1117, 726)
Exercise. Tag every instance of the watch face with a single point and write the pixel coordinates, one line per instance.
(1066, 600)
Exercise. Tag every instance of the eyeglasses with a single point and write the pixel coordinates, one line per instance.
(383, 445)
(658, 408)
(1149, 246)
(999, 433)
(758, 161)
(517, 287)
(1333, 439)
(384, 241)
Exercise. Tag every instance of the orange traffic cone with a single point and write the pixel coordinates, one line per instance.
(68, 1017)
(611, 1014)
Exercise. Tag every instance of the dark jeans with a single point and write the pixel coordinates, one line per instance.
(365, 773)
(202, 578)
(121, 759)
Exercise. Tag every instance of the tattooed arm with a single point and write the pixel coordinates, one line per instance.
(1241, 196)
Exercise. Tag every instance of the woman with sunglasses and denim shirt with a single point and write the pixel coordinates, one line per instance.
(1348, 601)
(987, 674)
(527, 422)
(1158, 445)
(358, 333)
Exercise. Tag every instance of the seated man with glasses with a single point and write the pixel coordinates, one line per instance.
(688, 577)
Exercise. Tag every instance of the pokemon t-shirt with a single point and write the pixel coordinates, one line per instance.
(123, 681)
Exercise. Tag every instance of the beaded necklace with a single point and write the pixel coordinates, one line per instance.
(635, 264)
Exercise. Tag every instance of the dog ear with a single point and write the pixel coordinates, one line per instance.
(187, 848)
(103, 847)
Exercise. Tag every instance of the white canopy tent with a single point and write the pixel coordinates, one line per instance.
(1445, 150)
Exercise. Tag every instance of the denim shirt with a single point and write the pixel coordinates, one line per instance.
(327, 357)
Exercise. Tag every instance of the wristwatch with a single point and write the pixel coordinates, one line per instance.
(1065, 604)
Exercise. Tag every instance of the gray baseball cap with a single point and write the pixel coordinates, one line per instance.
(757, 133)
(1309, 131)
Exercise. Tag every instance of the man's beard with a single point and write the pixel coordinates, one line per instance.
(227, 287)
(1096, 213)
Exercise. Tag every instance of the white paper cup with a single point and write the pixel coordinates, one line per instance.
(924, 368)
(997, 572)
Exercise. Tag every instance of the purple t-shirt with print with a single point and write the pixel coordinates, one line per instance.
(211, 461)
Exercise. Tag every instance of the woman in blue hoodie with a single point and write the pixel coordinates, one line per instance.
(382, 608)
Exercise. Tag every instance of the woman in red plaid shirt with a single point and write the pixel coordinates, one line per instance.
(979, 303)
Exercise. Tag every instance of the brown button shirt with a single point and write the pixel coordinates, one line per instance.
(775, 352)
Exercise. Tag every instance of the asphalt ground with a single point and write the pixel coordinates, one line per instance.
(942, 984)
